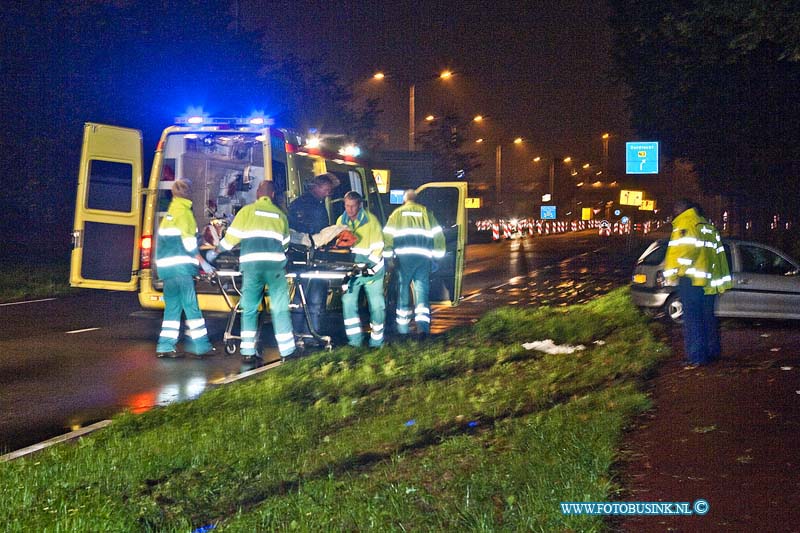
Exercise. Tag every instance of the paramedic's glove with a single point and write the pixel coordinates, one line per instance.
(206, 267)
(212, 255)
(346, 239)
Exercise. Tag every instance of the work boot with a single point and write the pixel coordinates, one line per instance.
(169, 354)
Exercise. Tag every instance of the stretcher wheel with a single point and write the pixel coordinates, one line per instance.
(230, 347)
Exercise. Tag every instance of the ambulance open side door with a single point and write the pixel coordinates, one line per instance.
(447, 201)
(108, 208)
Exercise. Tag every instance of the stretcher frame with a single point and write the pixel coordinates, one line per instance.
(303, 263)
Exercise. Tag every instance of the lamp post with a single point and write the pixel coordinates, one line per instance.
(412, 117)
(498, 167)
(605, 137)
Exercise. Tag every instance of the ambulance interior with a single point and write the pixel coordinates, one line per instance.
(225, 170)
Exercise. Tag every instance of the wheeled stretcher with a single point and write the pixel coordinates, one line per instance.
(336, 267)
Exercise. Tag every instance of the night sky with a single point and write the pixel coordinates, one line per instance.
(537, 69)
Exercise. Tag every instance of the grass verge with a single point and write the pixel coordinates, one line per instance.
(468, 431)
(23, 281)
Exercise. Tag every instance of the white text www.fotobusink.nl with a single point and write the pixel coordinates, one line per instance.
(699, 507)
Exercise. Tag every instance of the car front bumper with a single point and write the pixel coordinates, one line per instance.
(647, 297)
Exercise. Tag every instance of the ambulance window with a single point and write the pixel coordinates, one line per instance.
(372, 198)
(443, 203)
(278, 149)
(305, 170)
(110, 186)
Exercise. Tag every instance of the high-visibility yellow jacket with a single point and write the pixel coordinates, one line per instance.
(695, 250)
(263, 230)
(176, 241)
(412, 230)
(368, 248)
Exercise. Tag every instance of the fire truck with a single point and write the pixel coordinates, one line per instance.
(117, 215)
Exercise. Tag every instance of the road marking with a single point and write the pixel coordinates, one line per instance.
(81, 330)
(55, 440)
(28, 302)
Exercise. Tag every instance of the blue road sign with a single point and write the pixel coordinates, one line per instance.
(641, 157)
(396, 196)
(548, 212)
(624, 220)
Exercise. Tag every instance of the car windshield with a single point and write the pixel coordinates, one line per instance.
(655, 255)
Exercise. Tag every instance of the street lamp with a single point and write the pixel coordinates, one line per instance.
(605, 137)
(412, 119)
(498, 167)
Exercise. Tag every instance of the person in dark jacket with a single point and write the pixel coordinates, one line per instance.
(308, 214)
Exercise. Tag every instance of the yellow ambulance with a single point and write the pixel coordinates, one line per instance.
(117, 214)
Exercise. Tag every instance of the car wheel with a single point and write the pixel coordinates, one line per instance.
(673, 309)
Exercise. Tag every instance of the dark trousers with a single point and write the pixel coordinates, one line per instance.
(316, 291)
(700, 324)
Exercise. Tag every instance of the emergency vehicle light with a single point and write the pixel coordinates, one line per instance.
(200, 120)
(351, 150)
(146, 247)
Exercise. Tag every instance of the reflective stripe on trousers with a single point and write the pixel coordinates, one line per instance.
(253, 284)
(373, 287)
(179, 299)
(414, 270)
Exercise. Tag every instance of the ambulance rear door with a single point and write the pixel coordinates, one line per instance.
(108, 208)
(447, 201)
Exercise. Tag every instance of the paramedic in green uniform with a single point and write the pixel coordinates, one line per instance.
(177, 260)
(416, 239)
(368, 251)
(263, 231)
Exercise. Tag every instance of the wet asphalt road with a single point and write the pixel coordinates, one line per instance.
(69, 362)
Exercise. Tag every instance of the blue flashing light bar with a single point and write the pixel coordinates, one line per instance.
(198, 120)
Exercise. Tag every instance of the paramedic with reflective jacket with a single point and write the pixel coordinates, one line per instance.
(308, 214)
(177, 259)
(262, 231)
(368, 251)
(416, 239)
(695, 255)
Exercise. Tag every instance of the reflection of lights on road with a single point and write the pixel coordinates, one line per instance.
(195, 387)
(176, 392)
(141, 402)
(168, 393)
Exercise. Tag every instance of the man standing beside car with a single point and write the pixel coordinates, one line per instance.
(695, 255)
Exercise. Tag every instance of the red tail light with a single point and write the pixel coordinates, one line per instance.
(147, 248)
